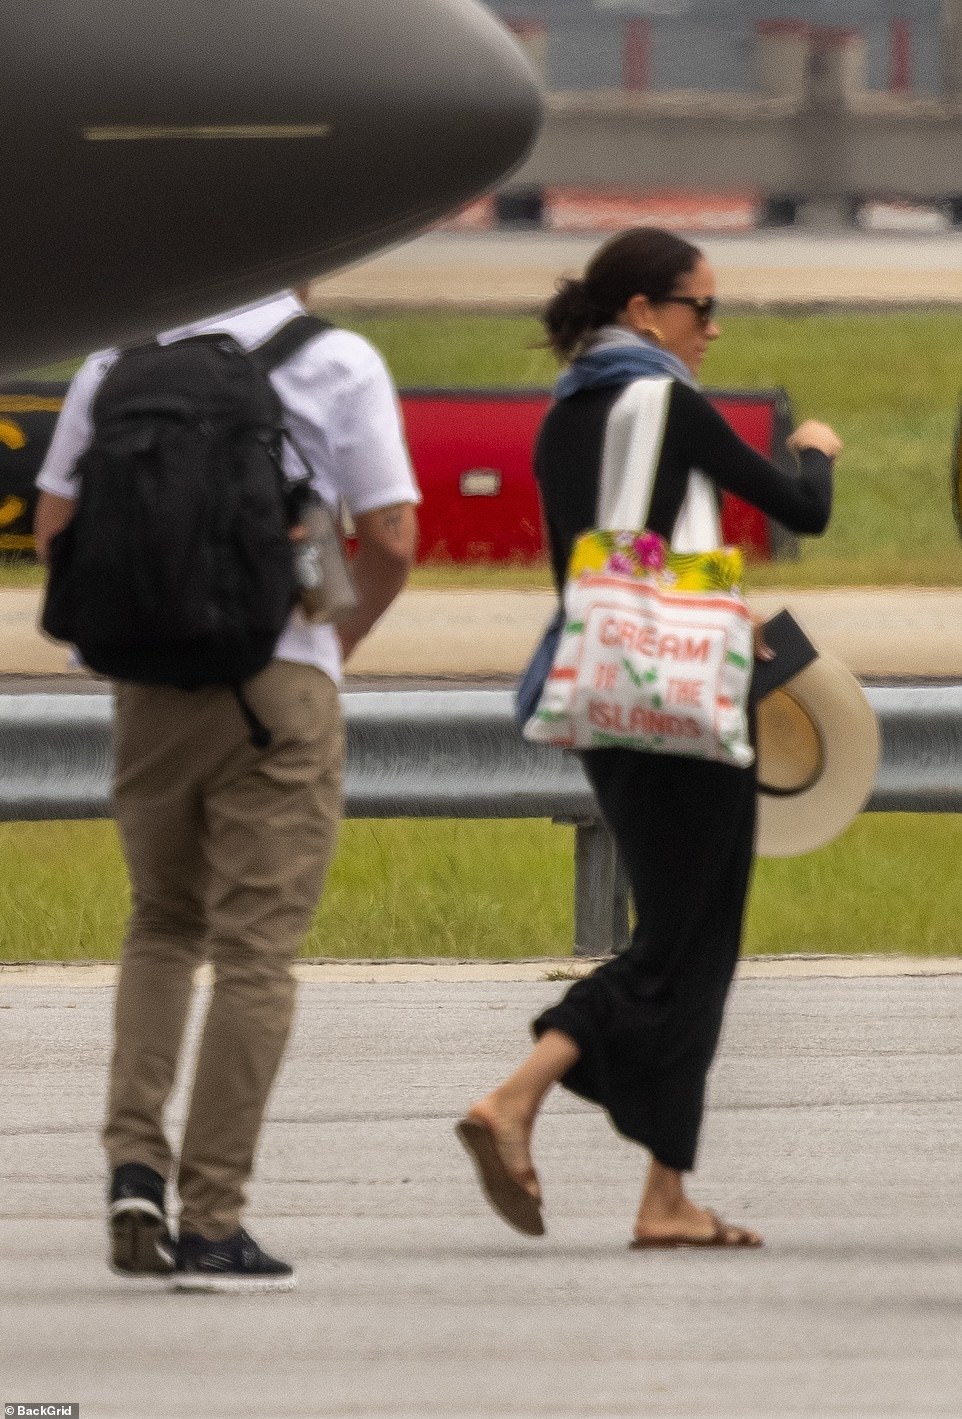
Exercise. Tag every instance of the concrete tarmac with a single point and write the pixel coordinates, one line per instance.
(835, 1126)
(518, 270)
(903, 631)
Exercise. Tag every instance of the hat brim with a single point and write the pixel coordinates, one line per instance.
(794, 822)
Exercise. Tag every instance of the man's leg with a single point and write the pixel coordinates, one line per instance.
(272, 818)
(159, 818)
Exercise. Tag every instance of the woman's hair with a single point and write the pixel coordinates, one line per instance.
(644, 261)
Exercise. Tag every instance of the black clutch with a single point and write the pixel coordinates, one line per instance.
(793, 652)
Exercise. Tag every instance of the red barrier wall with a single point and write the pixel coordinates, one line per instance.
(472, 453)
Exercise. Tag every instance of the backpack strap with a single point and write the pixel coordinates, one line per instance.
(260, 735)
(277, 349)
(285, 342)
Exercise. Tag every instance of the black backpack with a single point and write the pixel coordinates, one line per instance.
(177, 568)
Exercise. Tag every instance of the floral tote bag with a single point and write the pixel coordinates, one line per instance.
(653, 648)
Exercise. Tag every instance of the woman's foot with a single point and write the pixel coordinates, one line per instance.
(497, 1132)
(692, 1227)
(510, 1131)
(667, 1218)
(503, 1162)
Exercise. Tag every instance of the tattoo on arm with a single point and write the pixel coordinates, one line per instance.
(389, 532)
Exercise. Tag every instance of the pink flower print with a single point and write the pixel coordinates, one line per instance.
(620, 564)
(650, 551)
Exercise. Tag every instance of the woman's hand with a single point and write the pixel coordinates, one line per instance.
(763, 650)
(812, 434)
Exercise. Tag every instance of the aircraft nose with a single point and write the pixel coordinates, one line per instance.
(448, 79)
(433, 101)
(168, 160)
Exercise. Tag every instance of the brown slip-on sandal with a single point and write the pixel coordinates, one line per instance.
(723, 1234)
(508, 1198)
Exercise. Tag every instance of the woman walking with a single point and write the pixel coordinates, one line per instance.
(639, 1034)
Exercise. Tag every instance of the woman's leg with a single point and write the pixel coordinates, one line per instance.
(510, 1110)
(647, 1022)
(665, 1214)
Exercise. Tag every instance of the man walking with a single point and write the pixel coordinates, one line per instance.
(227, 841)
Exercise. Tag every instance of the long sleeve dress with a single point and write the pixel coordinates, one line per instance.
(647, 1022)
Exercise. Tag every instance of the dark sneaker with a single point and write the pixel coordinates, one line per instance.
(140, 1242)
(237, 1264)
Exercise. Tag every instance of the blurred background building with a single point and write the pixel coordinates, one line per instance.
(729, 114)
(725, 46)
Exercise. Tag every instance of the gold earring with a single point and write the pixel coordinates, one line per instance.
(654, 333)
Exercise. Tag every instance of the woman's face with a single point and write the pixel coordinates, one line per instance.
(681, 328)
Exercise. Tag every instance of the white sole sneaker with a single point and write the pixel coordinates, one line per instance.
(232, 1285)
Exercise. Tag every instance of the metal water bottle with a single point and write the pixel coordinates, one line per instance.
(325, 586)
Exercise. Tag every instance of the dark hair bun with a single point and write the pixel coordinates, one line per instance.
(569, 315)
(642, 261)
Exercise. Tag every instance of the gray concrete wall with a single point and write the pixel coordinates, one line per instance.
(585, 56)
(699, 52)
(910, 150)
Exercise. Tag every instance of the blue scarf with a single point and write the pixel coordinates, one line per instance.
(618, 356)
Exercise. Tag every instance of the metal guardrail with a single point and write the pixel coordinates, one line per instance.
(458, 754)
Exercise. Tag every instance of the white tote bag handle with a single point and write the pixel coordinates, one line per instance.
(632, 448)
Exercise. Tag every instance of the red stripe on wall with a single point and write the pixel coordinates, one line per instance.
(637, 61)
(900, 57)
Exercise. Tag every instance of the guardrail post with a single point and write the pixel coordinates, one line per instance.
(601, 893)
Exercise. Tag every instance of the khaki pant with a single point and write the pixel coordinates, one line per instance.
(227, 846)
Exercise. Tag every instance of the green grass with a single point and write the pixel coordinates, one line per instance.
(889, 885)
(502, 890)
(460, 889)
(890, 383)
(63, 891)
(18, 572)
(63, 369)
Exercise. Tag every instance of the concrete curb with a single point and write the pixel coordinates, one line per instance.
(873, 630)
(103, 974)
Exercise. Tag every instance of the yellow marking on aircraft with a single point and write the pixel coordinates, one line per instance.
(10, 509)
(12, 435)
(204, 132)
(29, 404)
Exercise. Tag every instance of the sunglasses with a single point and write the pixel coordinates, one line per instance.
(703, 306)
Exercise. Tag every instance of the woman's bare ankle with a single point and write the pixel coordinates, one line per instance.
(665, 1207)
(666, 1213)
(510, 1126)
(506, 1107)
(680, 1215)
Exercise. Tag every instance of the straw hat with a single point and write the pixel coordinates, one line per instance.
(818, 752)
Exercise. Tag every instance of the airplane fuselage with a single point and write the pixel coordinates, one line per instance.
(162, 161)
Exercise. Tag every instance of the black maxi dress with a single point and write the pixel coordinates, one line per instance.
(647, 1022)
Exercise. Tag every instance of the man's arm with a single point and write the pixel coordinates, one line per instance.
(56, 483)
(387, 540)
(52, 515)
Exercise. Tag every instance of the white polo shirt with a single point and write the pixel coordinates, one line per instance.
(341, 408)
